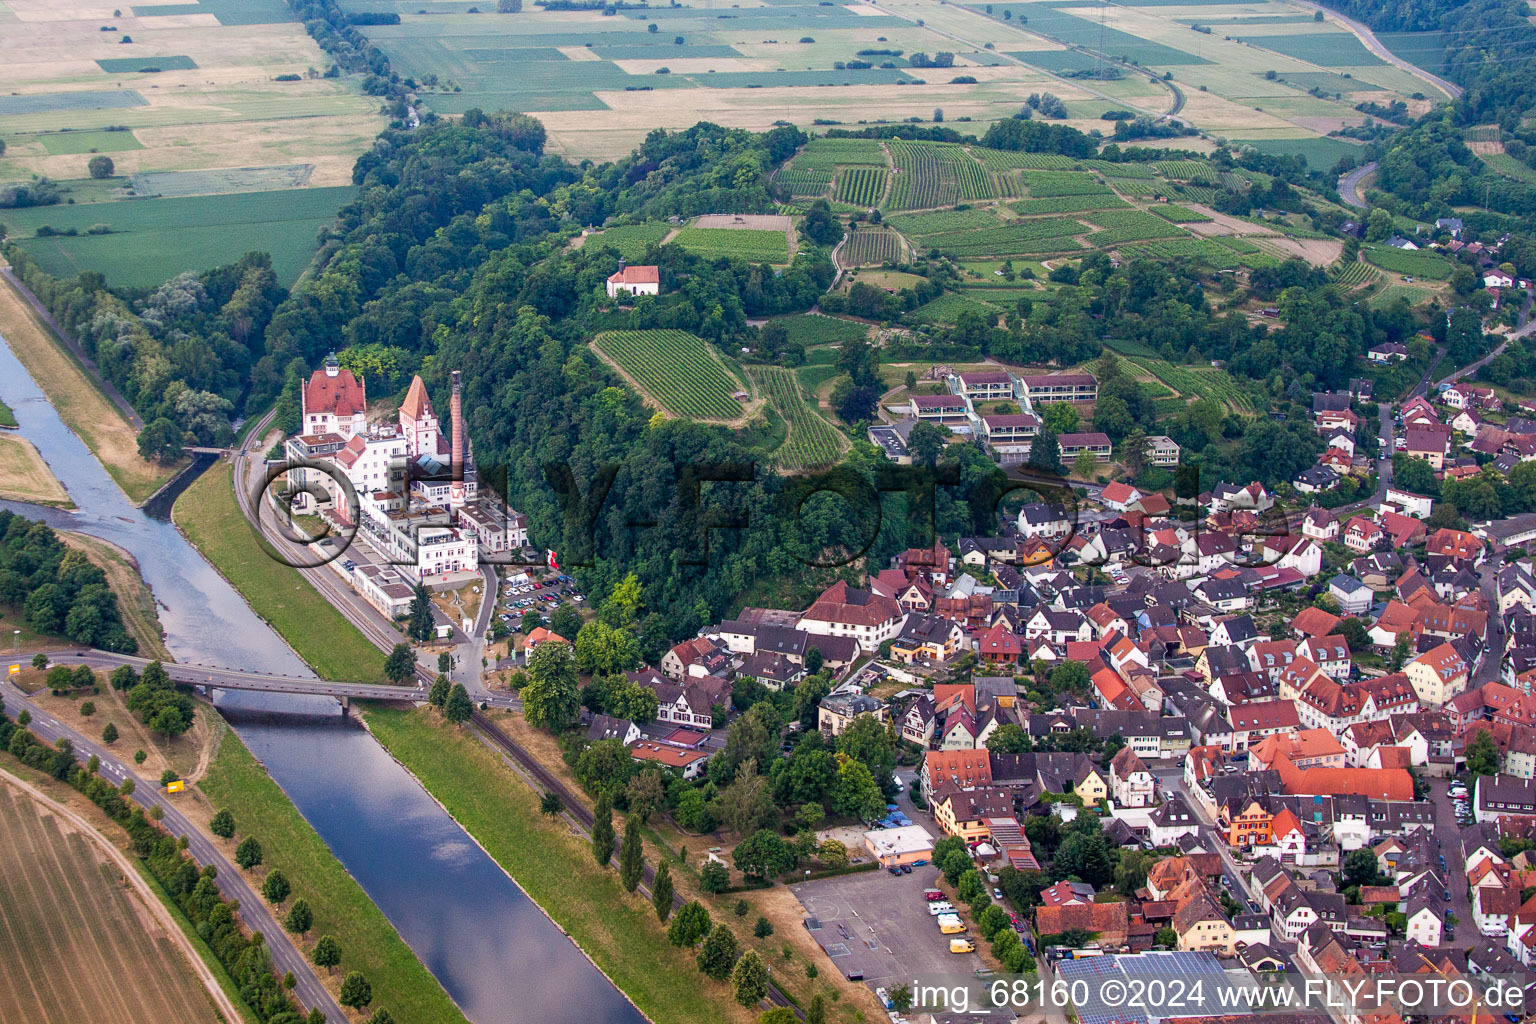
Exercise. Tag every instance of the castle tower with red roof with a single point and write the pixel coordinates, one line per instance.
(333, 401)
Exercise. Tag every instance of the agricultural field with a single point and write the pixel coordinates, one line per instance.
(1354, 275)
(1206, 252)
(935, 174)
(861, 186)
(1063, 183)
(675, 370)
(744, 243)
(812, 442)
(1179, 214)
(825, 154)
(77, 944)
(148, 241)
(1198, 382)
(1417, 263)
(811, 330)
(1392, 292)
(631, 240)
(1068, 204)
(69, 90)
(946, 309)
(1128, 226)
(804, 182)
(871, 247)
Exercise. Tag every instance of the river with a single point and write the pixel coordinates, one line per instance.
(494, 951)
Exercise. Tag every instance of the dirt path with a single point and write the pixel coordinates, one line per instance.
(142, 890)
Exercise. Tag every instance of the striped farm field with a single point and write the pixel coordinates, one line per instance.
(804, 181)
(1128, 226)
(1179, 214)
(1353, 275)
(676, 370)
(1063, 183)
(825, 154)
(1188, 170)
(1068, 204)
(753, 244)
(1198, 250)
(867, 247)
(1004, 160)
(812, 442)
(861, 186)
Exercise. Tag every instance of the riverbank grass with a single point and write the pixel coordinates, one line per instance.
(617, 930)
(7, 417)
(238, 783)
(24, 476)
(79, 403)
(207, 513)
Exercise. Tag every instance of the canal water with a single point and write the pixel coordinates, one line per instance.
(494, 951)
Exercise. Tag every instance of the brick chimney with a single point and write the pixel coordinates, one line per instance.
(456, 410)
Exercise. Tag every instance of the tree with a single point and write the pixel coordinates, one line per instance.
(1359, 867)
(819, 225)
(991, 921)
(763, 928)
(1061, 417)
(718, 954)
(109, 734)
(1166, 937)
(161, 442)
(762, 855)
(248, 853)
(1085, 463)
(100, 166)
(1010, 739)
(927, 443)
(746, 804)
(355, 991)
(438, 695)
(631, 856)
(398, 666)
(856, 793)
(419, 625)
(275, 888)
(817, 1013)
(1354, 633)
(300, 918)
(1070, 677)
(690, 925)
(662, 891)
(602, 830)
(327, 952)
(459, 708)
(938, 115)
(645, 794)
(833, 853)
(551, 698)
(1482, 755)
(1045, 452)
(222, 825)
(749, 979)
(714, 877)
(778, 1015)
(550, 804)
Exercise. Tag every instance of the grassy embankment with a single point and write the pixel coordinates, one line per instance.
(207, 513)
(617, 930)
(7, 417)
(77, 399)
(24, 476)
(237, 782)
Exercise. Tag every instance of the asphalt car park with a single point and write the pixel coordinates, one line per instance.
(876, 924)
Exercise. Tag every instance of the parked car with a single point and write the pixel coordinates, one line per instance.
(894, 871)
(941, 907)
(906, 869)
(932, 895)
(997, 894)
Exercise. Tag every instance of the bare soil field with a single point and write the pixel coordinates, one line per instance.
(77, 944)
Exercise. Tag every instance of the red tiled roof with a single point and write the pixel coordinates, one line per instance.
(341, 395)
(635, 275)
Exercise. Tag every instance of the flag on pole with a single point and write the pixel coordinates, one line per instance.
(549, 556)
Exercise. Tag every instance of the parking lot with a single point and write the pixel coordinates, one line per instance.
(552, 590)
(879, 925)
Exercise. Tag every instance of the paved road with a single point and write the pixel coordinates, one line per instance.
(1373, 44)
(232, 882)
(1349, 186)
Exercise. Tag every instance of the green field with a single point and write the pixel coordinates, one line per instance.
(1353, 275)
(677, 370)
(810, 330)
(206, 512)
(1329, 49)
(804, 181)
(631, 240)
(979, 234)
(812, 443)
(1179, 214)
(129, 65)
(1128, 226)
(1199, 250)
(947, 308)
(1508, 166)
(861, 186)
(741, 243)
(1320, 153)
(1392, 292)
(1417, 263)
(1196, 382)
(7, 417)
(73, 143)
(824, 154)
(1063, 183)
(236, 782)
(1069, 204)
(153, 240)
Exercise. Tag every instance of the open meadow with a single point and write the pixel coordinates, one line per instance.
(185, 100)
(77, 944)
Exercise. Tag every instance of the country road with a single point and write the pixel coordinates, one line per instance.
(1368, 38)
(232, 882)
(1349, 186)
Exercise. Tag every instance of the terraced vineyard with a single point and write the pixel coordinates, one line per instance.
(1200, 250)
(1407, 261)
(812, 442)
(867, 247)
(946, 309)
(974, 233)
(676, 370)
(861, 186)
(1068, 204)
(804, 181)
(1188, 170)
(1006, 160)
(1353, 275)
(1216, 385)
(749, 244)
(1179, 214)
(631, 240)
(935, 174)
(825, 154)
(1063, 183)
(1128, 226)
(811, 330)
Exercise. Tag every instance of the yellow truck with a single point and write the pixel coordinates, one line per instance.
(961, 946)
(951, 925)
